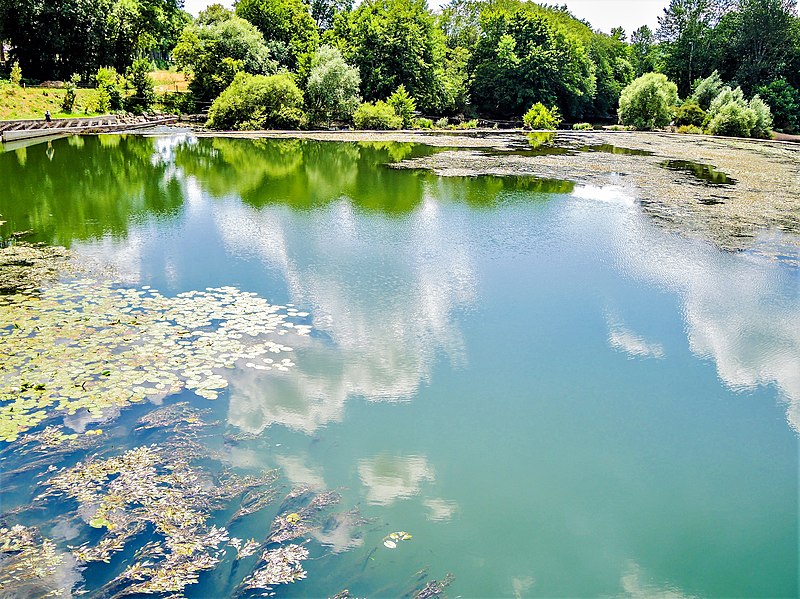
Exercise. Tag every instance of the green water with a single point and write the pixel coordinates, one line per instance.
(553, 395)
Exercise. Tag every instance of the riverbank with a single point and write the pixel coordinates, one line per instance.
(738, 194)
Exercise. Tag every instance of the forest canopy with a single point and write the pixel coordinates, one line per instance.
(488, 58)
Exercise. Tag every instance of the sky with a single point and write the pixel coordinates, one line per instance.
(602, 14)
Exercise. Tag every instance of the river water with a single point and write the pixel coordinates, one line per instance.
(550, 394)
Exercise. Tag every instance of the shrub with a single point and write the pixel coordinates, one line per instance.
(690, 114)
(332, 87)
(442, 123)
(539, 117)
(68, 103)
(143, 87)
(178, 102)
(422, 123)
(645, 103)
(582, 127)
(403, 104)
(784, 100)
(705, 90)
(730, 114)
(110, 85)
(377, 116)
(732, 119)
(690, 129)
(763, 118)
(16, 74)
(473, 124)
(258, 102)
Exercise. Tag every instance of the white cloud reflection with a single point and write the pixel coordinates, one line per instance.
(741, 311)
(389, 478)
(623, 339)
(382, 292)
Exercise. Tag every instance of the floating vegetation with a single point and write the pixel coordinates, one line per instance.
(157, 488)
(24, 267)
(91, 346)
(434, 588)
(300, 513)
(179, 416)
(31, 566)
(283, 565)
(391, 540)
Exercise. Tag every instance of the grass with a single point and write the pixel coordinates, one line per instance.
(17, 103)
(169, 81)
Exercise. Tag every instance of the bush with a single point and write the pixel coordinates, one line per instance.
(16, 74)
(473, 124)
(705, 90)
(403, 104)
(332, 87)
(645, 103)
(110, 85)
(731, 115)
(258, 102)
(690, 114)
(582, 127)
(178, 102)
(690, 130)
(539, 117)
(763, 118)
(68, 103)
(377, 116)
(442, 123)
(784, 100)
(732, 119)
(422, 123)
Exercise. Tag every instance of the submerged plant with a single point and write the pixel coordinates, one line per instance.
(31, 566)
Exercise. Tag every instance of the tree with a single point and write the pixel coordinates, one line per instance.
(764, 41)
(217, 47)
(644, 53)
(16, 74)
(54, 38)
(138, 76)
(784, 100)
(254, 102)
(686, 28)
(522, 59)
(324, 11)
(287, 25)
(646, 102)
(393, 43)
(403, 105)
(332, 88)
(705, 90)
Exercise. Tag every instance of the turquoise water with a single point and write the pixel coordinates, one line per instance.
(553, 395)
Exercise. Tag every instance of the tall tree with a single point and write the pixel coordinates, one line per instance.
(644, 52)
(287, 25)
(393, 43)
(522, 59)
(686, 28)
(765, 40)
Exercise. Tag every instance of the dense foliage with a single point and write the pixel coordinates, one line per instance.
(540, 117)
(52, 39)
(258, 102)
(332, 87)
(493, 58)
(377, 115)
(645, 103)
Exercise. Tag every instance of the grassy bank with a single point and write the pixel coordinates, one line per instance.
(33, 102)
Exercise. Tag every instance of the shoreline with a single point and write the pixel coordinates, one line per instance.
(763, 197)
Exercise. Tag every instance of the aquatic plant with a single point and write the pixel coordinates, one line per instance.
(158, 487)
(90, 346)
(31, 566)
(278, 566)
(24, 267)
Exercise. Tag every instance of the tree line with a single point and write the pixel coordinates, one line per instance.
(313, 61)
